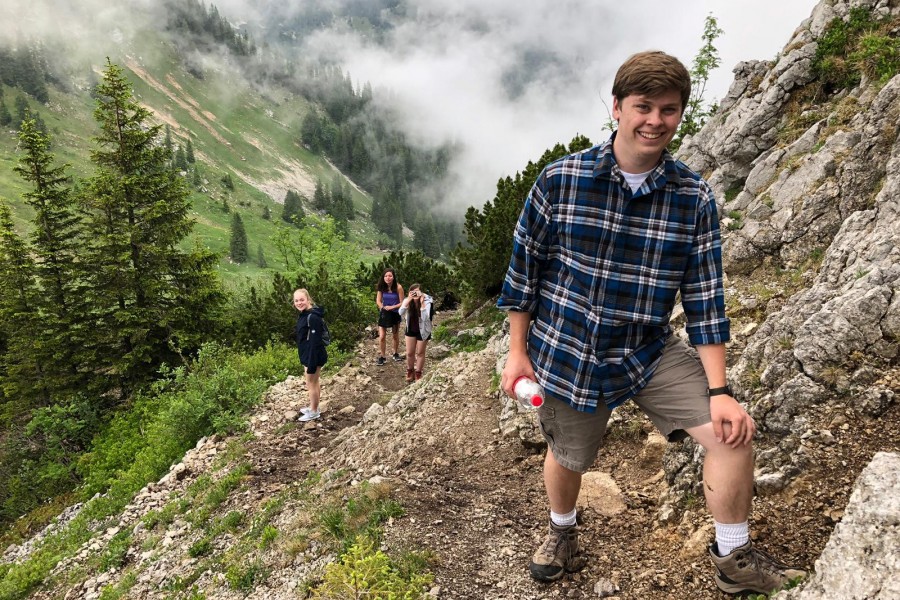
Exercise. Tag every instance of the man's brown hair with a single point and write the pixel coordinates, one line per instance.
(652, 73)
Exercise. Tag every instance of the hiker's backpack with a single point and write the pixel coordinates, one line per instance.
(326, 335)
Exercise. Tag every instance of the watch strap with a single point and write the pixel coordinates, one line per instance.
(719, 391)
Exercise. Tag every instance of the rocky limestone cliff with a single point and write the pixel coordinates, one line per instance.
(810, 243)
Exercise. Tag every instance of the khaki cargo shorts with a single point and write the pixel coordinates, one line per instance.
(675, 399)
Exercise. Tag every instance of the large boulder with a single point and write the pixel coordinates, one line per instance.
(862, 559)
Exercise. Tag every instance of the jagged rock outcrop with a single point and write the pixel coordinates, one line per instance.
(862, 558)
(813, 231)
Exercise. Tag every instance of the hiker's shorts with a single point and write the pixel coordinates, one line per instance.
(388, 318)
(675, 399)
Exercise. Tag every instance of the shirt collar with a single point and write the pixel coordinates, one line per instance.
(665, 171)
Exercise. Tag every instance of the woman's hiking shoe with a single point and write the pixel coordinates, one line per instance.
(410, 376)
(748, 570)
(398, 358)
(557, 555)
(309, 415)
(380, 362)
(418, 375)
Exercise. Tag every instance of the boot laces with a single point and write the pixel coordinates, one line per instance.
(760, 561)
(553, 542)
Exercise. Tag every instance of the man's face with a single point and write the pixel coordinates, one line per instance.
(646, 125)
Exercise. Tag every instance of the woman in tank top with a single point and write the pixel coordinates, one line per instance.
(389, 297)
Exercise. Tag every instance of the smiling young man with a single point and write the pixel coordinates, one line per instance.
(606, 240)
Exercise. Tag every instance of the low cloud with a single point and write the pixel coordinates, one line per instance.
(504, 80)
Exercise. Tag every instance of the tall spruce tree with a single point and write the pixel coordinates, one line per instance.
(260, 257)
(293, 208)
(189, 152)
(153, 301)
(56, 244)
(181, 162)
(5, 115)
(320, 197)
(238, 244)
(21, 367)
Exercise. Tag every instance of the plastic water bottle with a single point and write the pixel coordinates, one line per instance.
(528, 392)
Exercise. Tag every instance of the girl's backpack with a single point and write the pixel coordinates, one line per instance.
(326, 335)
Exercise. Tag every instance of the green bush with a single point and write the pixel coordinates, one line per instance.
(244, 577)
(863, 44)
(201, 547)
(878, 56)
(212, 396)
(365, 572)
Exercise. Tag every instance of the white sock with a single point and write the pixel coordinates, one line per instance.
(565, 520)
(730, 536)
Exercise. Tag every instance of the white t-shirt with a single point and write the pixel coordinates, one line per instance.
(635, 180)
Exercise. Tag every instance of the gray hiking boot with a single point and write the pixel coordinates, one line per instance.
(748, 570)
(557, 554)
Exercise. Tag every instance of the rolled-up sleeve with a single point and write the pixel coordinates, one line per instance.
(529, 252)
(702, 292)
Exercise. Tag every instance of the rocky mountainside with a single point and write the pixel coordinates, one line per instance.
(808, 192)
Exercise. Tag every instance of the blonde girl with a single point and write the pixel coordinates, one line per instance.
(310, 347)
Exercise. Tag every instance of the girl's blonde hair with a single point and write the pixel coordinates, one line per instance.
(305, 292)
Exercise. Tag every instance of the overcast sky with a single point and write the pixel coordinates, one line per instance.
(505, 79)
(449, 67)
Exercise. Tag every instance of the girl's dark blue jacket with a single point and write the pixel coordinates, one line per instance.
(308, 332)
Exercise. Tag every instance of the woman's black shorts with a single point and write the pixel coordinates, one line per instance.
(388, 318)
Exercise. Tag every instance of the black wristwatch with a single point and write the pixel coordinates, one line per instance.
(719, 391)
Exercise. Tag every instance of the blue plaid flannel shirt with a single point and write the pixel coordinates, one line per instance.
(599, 268)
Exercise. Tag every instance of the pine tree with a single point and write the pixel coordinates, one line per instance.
(153, 301)
(56, 243)
(21, 105)
(320, 197)
(266, 213)
(181, 163)
(426, 238)
(29, 75)
(238, 244)
(293, 208)
(337, 198)
(348, 200)
(39, 123)
(261, 258)
(170, 147)
(5, 116)
(21, 367)
(189, 152)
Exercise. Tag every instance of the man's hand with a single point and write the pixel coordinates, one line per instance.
(517, 365)
(732, 424)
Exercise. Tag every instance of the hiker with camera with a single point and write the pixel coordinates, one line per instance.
(418, 310)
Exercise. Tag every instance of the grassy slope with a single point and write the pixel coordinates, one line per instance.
(233, 130)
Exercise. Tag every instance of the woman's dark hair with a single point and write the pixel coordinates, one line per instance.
(382, 286)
